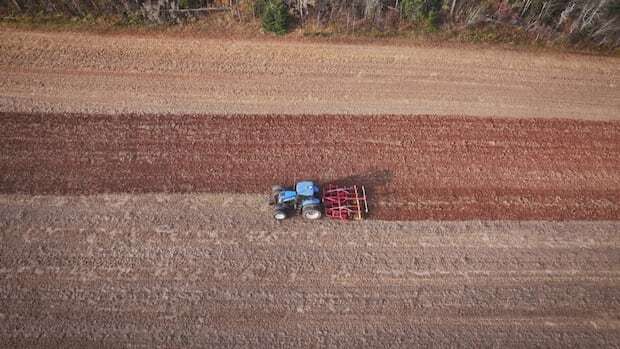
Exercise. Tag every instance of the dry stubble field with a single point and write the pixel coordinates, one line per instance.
(71, 72)
(196, 270)
(150, 230)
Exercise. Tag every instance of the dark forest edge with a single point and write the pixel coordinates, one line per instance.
(583, 25)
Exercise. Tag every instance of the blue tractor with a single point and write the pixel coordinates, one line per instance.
(304, 199)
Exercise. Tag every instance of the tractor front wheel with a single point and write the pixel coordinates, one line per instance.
(279, 215)
(311, 212)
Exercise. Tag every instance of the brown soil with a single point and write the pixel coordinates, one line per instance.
(417, 167)
(69, 72)
(195, 270)
(215, 270)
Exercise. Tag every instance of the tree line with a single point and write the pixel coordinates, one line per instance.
(594, 20)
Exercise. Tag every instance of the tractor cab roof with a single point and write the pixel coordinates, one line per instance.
(306, 188)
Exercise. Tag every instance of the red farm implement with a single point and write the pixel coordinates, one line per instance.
(344, 203)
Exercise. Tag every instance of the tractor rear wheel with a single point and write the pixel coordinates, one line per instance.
(311, 212)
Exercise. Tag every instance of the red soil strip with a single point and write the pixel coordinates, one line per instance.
(416, 167)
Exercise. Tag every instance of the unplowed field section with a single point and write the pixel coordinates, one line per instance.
(414, 167)
(215, 270)
(110, 74)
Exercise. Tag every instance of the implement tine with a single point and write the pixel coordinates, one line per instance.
(357, 200)
(365, 199)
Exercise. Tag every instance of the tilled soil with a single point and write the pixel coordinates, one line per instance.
(189, 270)
(415, 167)
(70, 72)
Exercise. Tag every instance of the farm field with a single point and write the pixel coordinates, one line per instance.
(415, 167)
(134, 173)
(77, 72)
(196, 270)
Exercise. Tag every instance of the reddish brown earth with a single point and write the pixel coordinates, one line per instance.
(416, 167)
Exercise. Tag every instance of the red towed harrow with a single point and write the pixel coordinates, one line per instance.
(345, 203)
